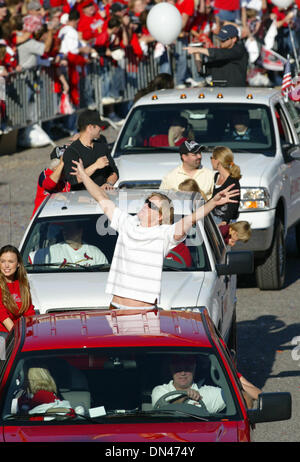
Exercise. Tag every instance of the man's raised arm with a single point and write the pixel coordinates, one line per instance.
(95, 191)
(183, 226)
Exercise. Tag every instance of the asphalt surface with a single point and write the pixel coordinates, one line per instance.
(267, 322)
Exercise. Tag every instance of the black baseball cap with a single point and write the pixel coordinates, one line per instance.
(90, 117)
(190, 146)
(228, 31)
(117, 7)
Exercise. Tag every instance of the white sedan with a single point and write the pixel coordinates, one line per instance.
(68, 247)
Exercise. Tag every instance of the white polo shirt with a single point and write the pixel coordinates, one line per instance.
(136, 267)
(203, 176)
(211, 396)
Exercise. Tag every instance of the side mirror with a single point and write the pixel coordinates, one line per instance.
(291, 151)
(271, 407)
(239, 262)
(294, 153)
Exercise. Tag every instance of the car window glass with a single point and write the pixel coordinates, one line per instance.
(88, 379)
(48, 246)
(283, 126)
(207, 123)
(294, 114)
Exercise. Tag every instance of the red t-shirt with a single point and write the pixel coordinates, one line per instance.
(185, 6)
(184, 252)
(47, 186)
(225, 232)
(163, 140)
(90, 26)
(227, 5)
(14, 289)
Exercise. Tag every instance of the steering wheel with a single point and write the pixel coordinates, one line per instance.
(162, 401)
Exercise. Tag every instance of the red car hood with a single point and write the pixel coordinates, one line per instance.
(150, 433)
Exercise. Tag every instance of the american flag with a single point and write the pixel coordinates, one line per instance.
(287, 84)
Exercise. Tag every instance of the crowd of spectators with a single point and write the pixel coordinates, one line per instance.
(71, 34)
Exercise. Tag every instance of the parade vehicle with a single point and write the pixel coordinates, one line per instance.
(268, 153)
(201, 273)
(101, 367)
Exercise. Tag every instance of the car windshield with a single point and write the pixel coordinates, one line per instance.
(119, 385)
(87, 243)
(241, 127)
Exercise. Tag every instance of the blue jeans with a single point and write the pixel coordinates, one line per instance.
(113, 81)
(181, 69)
(229, 15)
(164, 64)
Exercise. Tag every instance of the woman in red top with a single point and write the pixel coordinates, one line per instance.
(15, 297)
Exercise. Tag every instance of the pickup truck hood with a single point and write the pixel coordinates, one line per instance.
(87, 290)
(140, 432)
(147, 167)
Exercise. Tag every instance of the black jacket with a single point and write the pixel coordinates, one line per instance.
(229, 64)
(229, 211)
(77, 150)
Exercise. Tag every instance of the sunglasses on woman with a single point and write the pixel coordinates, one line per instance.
(151, 205)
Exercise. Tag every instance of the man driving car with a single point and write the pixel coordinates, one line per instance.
(183, 370)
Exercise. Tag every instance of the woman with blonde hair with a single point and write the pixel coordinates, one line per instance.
(15, 297)
(227, 173)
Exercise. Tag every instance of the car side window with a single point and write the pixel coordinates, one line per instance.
(215, 238)
(283, 126)
(294, 115)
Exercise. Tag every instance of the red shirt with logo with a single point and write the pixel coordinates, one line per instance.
(14, 288)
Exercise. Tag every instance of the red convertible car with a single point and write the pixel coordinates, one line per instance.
(109, 376)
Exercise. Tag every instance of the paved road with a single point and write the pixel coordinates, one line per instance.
(267, 321)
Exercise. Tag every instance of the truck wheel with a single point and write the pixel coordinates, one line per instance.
(270, 274)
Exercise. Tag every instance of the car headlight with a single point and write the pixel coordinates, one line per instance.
(254, 199)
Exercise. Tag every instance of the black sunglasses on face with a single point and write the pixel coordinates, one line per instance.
(151, 205)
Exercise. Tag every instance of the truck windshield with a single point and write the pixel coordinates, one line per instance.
(241, 127)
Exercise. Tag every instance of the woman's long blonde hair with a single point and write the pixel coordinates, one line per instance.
(225, 156)
(21, 276)
(40, 379)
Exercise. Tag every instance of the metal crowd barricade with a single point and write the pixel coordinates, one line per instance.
(30, 95)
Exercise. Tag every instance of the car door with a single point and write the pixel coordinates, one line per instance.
(226, 283)
(293, 166)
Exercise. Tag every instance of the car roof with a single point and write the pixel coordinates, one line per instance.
(210, 94)
(130, 200)
(91, 329)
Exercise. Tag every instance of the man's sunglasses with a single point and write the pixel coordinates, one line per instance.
(151, 205)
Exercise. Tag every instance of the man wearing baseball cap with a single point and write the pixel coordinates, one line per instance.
(92, 148)
(228, 63)
(190, 154)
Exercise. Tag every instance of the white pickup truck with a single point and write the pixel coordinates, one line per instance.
(269, 158)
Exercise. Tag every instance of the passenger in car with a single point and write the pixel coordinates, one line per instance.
(41, 393)
(241, 130)
(227, 173)
(134, 279)
(183, 370)
(72, 251)
(174, 137)
(190, 168)
(15, 296)
(238, 231)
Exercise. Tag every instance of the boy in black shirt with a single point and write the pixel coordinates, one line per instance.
(92, 148)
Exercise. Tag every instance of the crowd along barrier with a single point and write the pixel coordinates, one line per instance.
(30, 96)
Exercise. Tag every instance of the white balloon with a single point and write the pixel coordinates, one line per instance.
(164, 22)
(282, 3)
